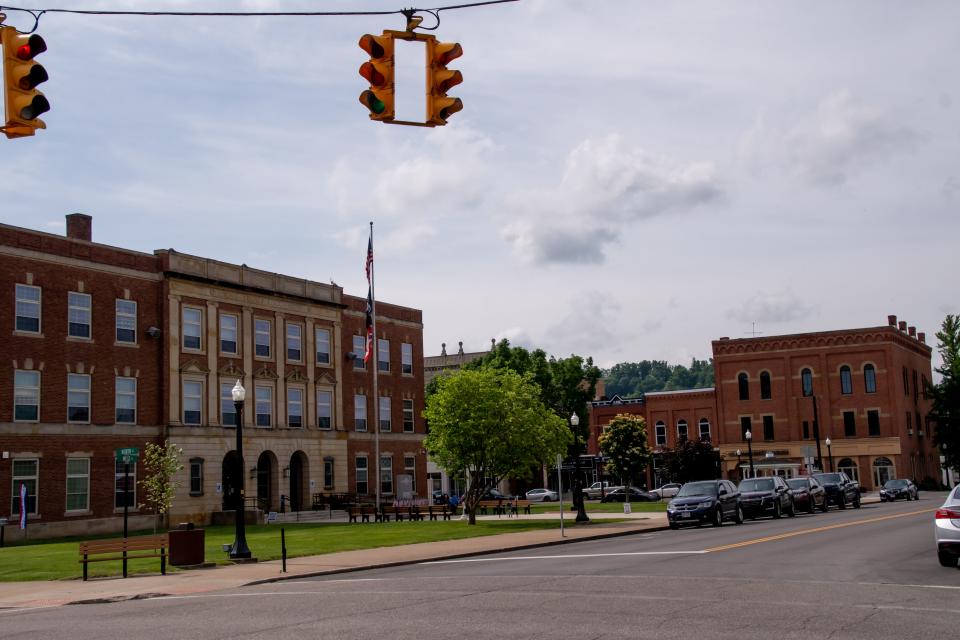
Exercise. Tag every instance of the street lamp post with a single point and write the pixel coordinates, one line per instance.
(749, 436)
(739, 470)
(577, 486)
(816, 433)
(829, 453)
(239, 550)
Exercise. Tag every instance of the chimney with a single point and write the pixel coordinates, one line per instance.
(80, 226)
(903, 326)
(892, 321)
(922, 337)
(913, 332)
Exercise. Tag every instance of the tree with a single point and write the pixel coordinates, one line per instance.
(489, 424)
(691, 460)
(946, 394)
(631, 379)
(624, 443)
(160, 463)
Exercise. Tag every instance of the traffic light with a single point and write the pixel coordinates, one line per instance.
(440, 80)
(21, 75)
(378, 71)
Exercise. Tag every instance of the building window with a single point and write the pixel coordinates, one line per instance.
(850, 424)
(765, 386)
(121, 484)
(806, 382)
(806, 430)
(264, 406)
(919, 424)
(26, 396)
(849, 467)
(192, 402)
(408, 416)
(78, 397)
(909, 423)
(383, 356)
(228, 333)
(323, 345)
(25, 472)
(294, 407)
(406, 358)
(846, 381)
(28, 308)
(916, 388)
(661, 434)
(78, 315)
(78, 484)
(261, 338)
(681, 430)
(906, 382)
(362, 488)
(192, 328)
(294, 342)
(743, 383)
(873, 422)
(705, 429)
(126, 400)
(768, 428)
(385, 418)
(869, 379)
(126, 321)
(744, 427)
(386, 475)
(328, 473)
(360, 412)
(410, 468)
(359, 349)
(324, 409)
(196, 476)
(228, 410)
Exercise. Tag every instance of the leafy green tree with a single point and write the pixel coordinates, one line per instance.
(691, 460)
(624, 443)
(631, 379)
(946, 394)
(488, 424)
(161, 463)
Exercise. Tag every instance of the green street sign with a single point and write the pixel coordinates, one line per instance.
(128, 455)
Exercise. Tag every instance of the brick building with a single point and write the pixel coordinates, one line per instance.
(868, 386)
(113, 348)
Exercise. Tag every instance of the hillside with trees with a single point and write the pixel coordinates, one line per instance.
(630, 379)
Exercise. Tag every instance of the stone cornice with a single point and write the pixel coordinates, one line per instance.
(820, 340)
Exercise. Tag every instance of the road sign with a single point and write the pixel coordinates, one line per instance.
(128, 455)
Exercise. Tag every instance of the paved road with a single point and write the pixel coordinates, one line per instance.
(867, 573)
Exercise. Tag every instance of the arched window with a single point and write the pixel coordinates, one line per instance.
(681, 430)
(705, 429)
(661, 432)
(882, 471)
(869, 379)
(846, 381)
(849, 467)
(743, 381)
(765, 385)
(806, 382)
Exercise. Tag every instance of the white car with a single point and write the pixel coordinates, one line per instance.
(542, 495)
(667, 491)
(946, 530)
(594, 491)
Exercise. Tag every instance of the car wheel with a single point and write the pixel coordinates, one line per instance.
(793, 510)
(916, 496)
(823, 506)
(856, 502)
(946, 559)
(843, 503)
(777, 510)
(718, 517)
(810, 506)
(674, 526)
(738, 518)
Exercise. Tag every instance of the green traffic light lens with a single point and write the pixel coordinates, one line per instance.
(376, 105)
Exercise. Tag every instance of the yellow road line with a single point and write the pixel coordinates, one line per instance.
(781, 536)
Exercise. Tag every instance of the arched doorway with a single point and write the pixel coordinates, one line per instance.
(849, 467)
(231, 475)
(299, 480)
(882, 471)
(268, 496)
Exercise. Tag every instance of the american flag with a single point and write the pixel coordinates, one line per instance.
(369, 350)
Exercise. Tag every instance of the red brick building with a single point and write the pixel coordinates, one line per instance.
(867, 386)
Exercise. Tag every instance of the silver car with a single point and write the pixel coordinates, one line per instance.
(946, 530)
(542, 495)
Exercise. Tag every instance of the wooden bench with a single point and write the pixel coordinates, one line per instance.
(516, 505)
(397, 512)
(434, 511)
(496, 506)
(363, 512)
(154, 546)
(504, 507)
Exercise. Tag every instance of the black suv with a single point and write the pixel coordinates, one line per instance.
(766, 497)
(710, 501)
(840, 489)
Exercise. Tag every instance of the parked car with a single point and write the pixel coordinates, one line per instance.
(840, 489)
(542, 495)
(619, 494)
(901, 488)
(766, 497)
(808, 494)
(946, 530)
(594, 491)
(710, 501)
(493, 494)
(667, 491)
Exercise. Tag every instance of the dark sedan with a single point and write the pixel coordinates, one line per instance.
(894, 489)
(840, 489)
(766, 497)
(808, 494)
(636, 495)
(710, 501)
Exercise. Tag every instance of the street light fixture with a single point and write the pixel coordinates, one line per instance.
(816, 433)
(239, 550)
(749, 436)
(577, 487)
(829, 453)
(739, 470)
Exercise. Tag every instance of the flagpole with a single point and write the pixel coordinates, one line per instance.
(376, 374)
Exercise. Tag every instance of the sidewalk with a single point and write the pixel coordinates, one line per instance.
(19, 595)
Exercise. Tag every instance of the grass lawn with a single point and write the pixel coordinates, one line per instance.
(602, 507)
(58, 559)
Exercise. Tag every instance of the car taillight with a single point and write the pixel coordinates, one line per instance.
(948, 514)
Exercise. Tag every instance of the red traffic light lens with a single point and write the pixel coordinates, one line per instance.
(369, 44)
(34, 47)
(448, 53)
(374, 77)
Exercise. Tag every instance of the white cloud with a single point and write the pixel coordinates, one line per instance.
(771, 307)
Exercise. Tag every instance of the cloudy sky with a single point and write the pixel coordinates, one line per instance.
(628, 179)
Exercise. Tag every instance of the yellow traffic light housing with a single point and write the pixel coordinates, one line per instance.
(378, 71)
(440, 80)
(21, 75)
